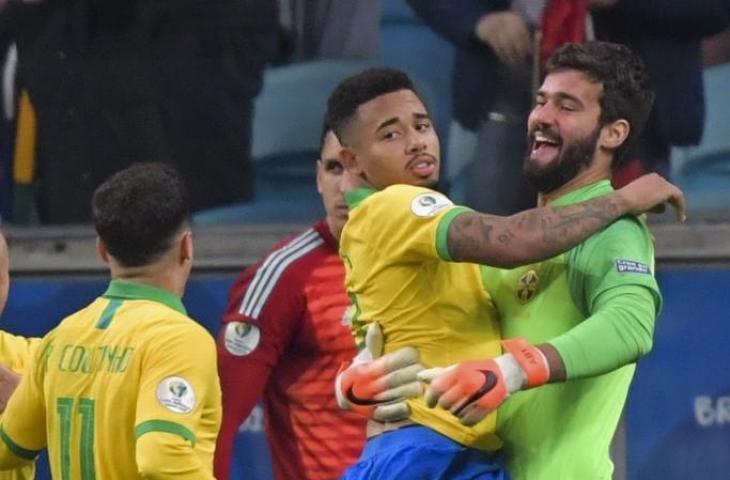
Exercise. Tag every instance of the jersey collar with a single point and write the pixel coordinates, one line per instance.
(596, 189)
(353, 198)
(128, 290)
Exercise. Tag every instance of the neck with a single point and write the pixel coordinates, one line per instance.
(584, 178)
(151, 275)
(335, 226)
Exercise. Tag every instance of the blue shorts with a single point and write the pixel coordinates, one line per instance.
(419, 453)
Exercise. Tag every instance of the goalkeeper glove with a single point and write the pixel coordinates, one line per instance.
(473, 390)
(378, 386)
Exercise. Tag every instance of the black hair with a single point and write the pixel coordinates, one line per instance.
(138, 211)
(360, 89)
(626, 88)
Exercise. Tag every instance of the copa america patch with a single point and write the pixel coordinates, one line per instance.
(429, 204)
(176, 394)
(630, 266)
(241, 338)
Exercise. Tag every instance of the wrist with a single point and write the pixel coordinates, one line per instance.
(621, 202)
(532, 363)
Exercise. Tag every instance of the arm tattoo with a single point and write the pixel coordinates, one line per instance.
(528, 236)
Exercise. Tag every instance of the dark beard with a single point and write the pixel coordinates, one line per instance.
(570, 162)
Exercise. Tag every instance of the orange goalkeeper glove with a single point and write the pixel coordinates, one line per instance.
(378, 386)
(473, 390)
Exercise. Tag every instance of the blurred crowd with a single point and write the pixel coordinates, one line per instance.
(89, 87)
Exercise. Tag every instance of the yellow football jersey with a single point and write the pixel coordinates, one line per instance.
(14, 354)
(398, 273)
(129, 364)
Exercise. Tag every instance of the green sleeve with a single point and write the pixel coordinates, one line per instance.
(617, 333)
(611, 277)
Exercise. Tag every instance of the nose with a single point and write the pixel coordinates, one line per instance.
(416, 142)
(541, 115)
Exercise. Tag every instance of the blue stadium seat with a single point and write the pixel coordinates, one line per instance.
(703, 171)
(287, 122)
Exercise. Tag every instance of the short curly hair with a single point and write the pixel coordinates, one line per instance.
(360, 89)
(138, 211)
(626, 93)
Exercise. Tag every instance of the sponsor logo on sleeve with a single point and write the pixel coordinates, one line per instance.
(630, 266)
(241, 338)
(176, 394)
(429, 204)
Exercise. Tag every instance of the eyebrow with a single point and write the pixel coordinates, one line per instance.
(391, 121)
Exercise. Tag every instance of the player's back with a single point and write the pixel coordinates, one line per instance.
(109, 375)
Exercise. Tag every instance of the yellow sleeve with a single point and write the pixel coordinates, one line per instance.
(23, 426)
(15, 351)
(410, 223)
(166, 455)
(179, 381)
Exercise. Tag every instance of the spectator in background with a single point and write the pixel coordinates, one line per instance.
(331, 29)
(283, 336)
(115, 81)
(492, 76)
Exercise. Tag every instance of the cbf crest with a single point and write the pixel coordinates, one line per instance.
(527, 286)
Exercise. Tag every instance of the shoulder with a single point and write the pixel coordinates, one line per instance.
(627, 232)
(398, 200)
(293, 251)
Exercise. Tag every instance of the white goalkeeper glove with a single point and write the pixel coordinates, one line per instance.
(377, 386)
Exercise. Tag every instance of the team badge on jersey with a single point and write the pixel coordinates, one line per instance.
(176, 394)
(527, 286)
(429, 204)
(241, 338)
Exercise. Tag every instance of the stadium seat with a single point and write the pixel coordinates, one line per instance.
(462, 144)
(703, 171)
(286, 129)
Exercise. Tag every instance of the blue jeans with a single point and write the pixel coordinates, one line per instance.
(419, 453)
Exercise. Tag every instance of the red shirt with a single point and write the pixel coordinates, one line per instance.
(283, 335)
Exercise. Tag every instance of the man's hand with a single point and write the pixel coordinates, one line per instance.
(506, 33)
(378, 386)
(8, 383)
(649, 193)
(473, 390)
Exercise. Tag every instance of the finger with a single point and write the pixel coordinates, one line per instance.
(473, 414)
(396, 360)
(374, 339)
(678, 202)
(402, 392)
(403, 376)
(428, 375)
(391, 412)
(432, 396)
(453, 399)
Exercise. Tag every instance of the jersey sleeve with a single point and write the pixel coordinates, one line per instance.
(15, 351)
(178, 386)
(612, 281)
(264, 311)
(23, 425)
(411, 223)
(621, 255)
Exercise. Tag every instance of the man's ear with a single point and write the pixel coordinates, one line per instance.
(102, 251)
(186, 247)
(614, 134)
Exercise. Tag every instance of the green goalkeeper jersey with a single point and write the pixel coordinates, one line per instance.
(596, 304)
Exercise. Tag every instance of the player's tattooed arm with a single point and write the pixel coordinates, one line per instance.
(541, 233)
